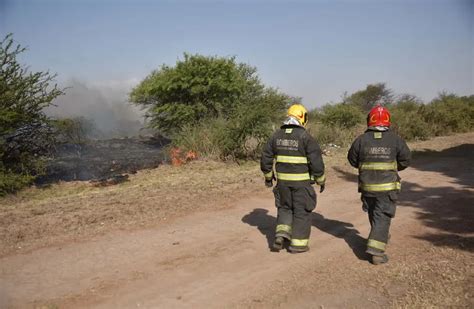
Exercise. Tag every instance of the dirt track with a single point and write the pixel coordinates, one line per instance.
(222, 258)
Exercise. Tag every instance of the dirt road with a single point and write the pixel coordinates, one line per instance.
(222, 259)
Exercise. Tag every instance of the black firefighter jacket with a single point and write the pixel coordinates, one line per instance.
(379, 155)
(298, 157)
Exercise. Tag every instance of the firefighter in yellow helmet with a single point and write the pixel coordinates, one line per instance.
(299, 164)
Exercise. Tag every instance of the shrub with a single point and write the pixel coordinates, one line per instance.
(446, 114)
(407, 120)
(241, 135)
(341, 115)
(195, 89)
(335, 135)
(449, 114)
(12, 182)
(25, 133)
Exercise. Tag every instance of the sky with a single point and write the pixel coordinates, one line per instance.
(316, 50)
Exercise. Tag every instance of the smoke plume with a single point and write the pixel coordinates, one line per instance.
(105, 104)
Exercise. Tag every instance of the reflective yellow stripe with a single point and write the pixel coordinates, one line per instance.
(292, 159)
(293, 177)
(389, 186)
(378, 166)
(372, 243)
(268, 175)
(283, 228)
(321, 179)
(299, 242)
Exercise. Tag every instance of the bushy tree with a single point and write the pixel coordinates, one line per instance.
(24, 131)
(373, 94)
(341, 115)
(196, 88)
(449, 113)
(407, 118)
(216, 92)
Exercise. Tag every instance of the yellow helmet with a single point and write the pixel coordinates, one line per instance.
(299, 112)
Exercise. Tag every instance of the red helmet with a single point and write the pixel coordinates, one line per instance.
(379, 116)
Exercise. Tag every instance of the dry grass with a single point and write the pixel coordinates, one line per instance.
(37, 217)
(439, 278)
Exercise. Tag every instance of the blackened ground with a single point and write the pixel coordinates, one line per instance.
(103, 159)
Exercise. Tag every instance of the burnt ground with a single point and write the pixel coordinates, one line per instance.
(99, 159)
(198, 236)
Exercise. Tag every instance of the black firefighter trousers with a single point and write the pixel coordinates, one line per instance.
(294, 205)
(381, 210)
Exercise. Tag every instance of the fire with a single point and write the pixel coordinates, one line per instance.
(179, 158)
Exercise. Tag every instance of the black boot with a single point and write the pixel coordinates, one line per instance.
(298, 249)
(379, 259)
(278, 243)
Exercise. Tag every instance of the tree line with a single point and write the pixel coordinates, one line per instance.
(211, 105)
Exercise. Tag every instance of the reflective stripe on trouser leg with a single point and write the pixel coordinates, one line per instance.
(283, 230)
(381, 208)
(299, 242)
(375, 244)
(285, 214)
(301, 218)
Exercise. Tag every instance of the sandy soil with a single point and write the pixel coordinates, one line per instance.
(217, 256)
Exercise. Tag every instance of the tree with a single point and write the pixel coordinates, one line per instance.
(370, 96)
(196, 88)
(25, 135)
(212, 105)
(342, 115)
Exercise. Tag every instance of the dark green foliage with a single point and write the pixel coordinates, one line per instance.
(446, 114)
(25, 135)
(406, 118)
(411, 118)
(212, 99)
(372, 95)
(449, 113)
(197, 88)
(341, 115)
(12, 182)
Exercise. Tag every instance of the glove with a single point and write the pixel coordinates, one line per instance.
(323, 186)
(269, 183)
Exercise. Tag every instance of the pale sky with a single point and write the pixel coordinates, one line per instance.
(312, 49)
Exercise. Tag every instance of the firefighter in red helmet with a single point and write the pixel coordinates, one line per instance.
(379, 154)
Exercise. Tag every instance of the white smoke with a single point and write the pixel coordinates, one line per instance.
(104, 103)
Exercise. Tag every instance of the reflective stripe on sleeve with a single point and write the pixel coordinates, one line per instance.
(292, 159)
(378, 166)
(380, 187)
(372, 243)
(283, 228)
(293, 177)
(299, 242)
(321, 179)
(268, 175)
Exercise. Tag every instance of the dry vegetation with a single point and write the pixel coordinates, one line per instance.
(437, 277)
(37, 217)
(41, 216)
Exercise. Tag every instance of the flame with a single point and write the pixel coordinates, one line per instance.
(179, 158)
